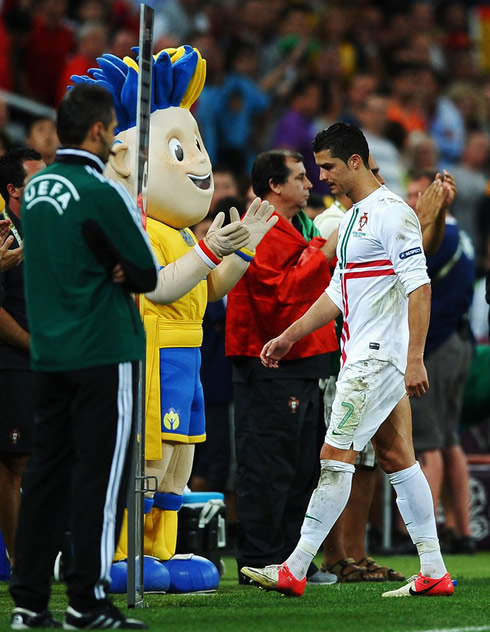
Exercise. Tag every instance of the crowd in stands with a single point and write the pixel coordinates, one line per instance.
(414, 75)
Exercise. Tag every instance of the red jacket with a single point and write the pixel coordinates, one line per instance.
(286, 277)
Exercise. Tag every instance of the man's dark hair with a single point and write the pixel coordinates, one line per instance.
(37, 119)
(418, 174)
(81, 107)
(271, 165)
(342, 140)
(12, 168)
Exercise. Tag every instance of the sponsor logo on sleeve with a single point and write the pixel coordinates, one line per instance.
(410, 253)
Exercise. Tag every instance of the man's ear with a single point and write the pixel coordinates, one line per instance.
(117, 159)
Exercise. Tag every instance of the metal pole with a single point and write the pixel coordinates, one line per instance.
(138, 480)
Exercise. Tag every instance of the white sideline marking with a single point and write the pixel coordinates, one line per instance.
(480, 628)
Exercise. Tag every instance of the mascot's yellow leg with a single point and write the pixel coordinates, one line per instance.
(122, 546)
(164, 533)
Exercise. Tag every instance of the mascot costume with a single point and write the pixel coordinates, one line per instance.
(179, 192)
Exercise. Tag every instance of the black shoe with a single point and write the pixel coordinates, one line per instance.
(103, 617)
(23, 619)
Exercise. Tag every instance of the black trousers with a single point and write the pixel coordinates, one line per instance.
(77, 475)
(278, 424)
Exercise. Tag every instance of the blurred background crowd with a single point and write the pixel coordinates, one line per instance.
(414, 75)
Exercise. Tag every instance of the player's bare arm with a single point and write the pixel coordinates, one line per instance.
(416, 380)
(320, 313)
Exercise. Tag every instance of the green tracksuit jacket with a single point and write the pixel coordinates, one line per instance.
(77, 226)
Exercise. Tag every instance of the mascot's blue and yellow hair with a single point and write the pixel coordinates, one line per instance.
(178, 78)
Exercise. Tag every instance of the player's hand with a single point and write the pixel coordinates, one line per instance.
(11, 258)
(429, 203)
(416, 380)
(273, 351)
(259, 220)
(225, 240)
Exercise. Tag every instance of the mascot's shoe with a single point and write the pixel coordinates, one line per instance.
(278, 578)
(191, 573)
(156, 577)
(421, 586)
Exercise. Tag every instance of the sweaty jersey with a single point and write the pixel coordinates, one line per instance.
(380, 261)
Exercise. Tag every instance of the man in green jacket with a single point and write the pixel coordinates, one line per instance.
(85, 252)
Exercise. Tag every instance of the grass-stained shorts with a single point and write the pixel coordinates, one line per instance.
(366, 393)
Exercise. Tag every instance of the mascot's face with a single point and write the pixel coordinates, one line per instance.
(180, 182)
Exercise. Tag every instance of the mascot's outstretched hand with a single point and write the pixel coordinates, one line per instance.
(259, 220)
(225, 240)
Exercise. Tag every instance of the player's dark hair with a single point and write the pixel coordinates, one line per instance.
(271, 165)
(12, 168)
(342, 140)
(82, 106)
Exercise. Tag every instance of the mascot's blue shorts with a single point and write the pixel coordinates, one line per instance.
(181, 395)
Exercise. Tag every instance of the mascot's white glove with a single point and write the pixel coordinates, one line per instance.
(259, 220)
(225, 240)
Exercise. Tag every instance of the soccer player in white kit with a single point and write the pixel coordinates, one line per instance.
(381, 287)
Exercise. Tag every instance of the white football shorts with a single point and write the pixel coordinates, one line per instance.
(366, 393)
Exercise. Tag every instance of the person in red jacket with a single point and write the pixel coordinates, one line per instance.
(278, 414)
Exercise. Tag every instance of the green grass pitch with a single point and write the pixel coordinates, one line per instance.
(337, 608)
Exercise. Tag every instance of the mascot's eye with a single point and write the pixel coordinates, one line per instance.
(198, 144)
(176, 149)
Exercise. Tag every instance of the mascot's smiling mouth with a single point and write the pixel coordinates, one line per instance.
(201, 182)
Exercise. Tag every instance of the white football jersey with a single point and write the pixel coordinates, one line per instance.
(380, 261)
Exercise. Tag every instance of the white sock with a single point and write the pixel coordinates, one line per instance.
(414, 500)
(326, 504)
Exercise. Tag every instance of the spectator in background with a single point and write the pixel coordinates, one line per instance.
(42, 137)
(448, 354)
(333, 29)
(472, 177)
(420, 152)
(48, 46)
(180, 18)
(445, 122)
(374, 124)
(16, 394)
(467, 97)
(241, 102)
(92, 42)
(359, 88)
(296, 129)
(404, 106)
(225, 186)
(294, 43)
(315, 206)
(121, 43)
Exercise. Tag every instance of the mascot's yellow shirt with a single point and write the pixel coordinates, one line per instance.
(176, 325)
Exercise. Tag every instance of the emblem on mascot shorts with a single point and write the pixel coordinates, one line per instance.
(171, 420)
(293, 404)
